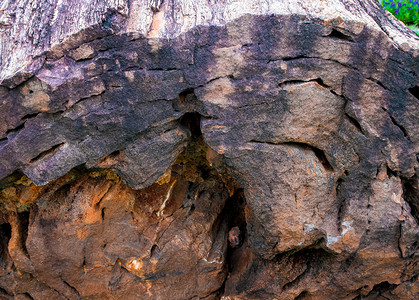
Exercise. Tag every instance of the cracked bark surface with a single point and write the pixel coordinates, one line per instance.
(188, 150)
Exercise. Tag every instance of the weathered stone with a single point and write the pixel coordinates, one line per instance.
(185, 153)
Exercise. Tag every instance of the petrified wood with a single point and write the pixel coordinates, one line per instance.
(208, 149)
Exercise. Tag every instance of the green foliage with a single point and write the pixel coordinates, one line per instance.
(406, 11)
(414, 28)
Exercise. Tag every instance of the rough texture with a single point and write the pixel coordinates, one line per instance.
(186, 150)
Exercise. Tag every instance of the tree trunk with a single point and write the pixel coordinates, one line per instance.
(207, 149)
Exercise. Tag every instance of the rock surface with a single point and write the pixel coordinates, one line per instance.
(271, 155)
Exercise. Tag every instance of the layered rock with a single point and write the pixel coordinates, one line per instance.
(265, 156)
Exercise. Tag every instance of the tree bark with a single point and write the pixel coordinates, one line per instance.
(206, 149)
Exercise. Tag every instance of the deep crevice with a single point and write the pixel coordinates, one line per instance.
(340, 35)
(415, 91)
(192, 121)
(319, 81)
(16, 129)
(5, 235)
(297, 279)
(4, 292)
(29, 116)
(400, 126)
(308, 260)
(378, 290)
(411, 195)
(302, 295)
(341, 202)
(232, 217)
(72, 288)
(185, 101)
(390, 172)
(29, 296)
(47, 152)
(288, 58)
(23, 219)
(320, 154)
(102, 214)
(234, 212)
(403, 130)
(355, 122)
(237, 221)
(377, 82)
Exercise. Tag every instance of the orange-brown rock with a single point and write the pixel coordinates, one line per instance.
(208, 149)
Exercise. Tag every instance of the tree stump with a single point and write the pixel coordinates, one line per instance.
(208, 149)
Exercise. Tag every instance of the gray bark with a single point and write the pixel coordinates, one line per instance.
(28, 28)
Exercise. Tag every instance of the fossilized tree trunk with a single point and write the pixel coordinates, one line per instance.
(201, 149)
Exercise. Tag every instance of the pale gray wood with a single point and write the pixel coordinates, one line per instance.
(28, 28)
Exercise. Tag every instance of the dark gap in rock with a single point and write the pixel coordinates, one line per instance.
(62, 192)
(185, 101)
(191, 209)
(403, 130)
(321, 156)
(307, 261)
(16, 129)
(390, 172)
(154, 249)
(23, 219)
(90, 97)
(47, 152)
(192, 121)
(413, 279)
(377, 291)
(296, 280)
(29, 116)
(303, 295)
(288, 58)
(377, 82)
(4, 292)
(102, 214)
(192, 163)
(114, 154)
(234, 212)
(28, 296)
(400, 126)
(415, 91)
(411, 195)
(5, 235)
(116, 276)
(156, 5)
(341, 36)
(341, 202)
(236, 220)
(319, 81)
(72, 288)
(292, 82)
(355, 122)
(399, 236)
(193, 160)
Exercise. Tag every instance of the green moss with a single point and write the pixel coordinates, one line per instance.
(192, 163)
